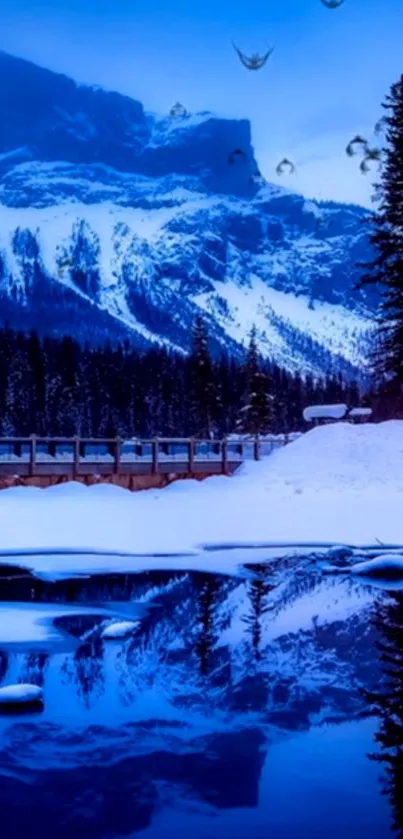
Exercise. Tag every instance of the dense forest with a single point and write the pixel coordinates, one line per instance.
(55, 386)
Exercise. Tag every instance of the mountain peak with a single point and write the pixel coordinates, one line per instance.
(56, 119)
(117, 222)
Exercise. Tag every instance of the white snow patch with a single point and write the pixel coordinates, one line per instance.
(120, 629)
(252, 305)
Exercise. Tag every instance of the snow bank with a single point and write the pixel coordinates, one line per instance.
(341, 457)
(340, 483)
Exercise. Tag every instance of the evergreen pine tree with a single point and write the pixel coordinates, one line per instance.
(202, 383)
(257, 414)
(386, 269)
(295, 403)
(37, 392)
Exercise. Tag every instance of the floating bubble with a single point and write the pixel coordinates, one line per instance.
(332, 4)
(178, 110)
(285, 163)
(237, 154)
(371, 154)
(356, 141)
(255, 61)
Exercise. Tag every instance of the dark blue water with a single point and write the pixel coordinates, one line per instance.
(241, 708)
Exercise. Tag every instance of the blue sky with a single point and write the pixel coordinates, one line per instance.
(324, 82)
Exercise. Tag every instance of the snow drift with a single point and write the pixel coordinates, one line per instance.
(338, 483)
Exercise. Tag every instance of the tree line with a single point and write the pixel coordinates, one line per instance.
(53, 386)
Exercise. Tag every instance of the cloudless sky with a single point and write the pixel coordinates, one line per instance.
(329, 72)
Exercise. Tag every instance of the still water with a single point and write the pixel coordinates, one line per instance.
(269, 704)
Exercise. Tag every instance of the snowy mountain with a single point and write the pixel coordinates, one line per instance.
(117, 224)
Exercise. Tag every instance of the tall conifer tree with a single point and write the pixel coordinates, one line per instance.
(386, 268)
(257, 414)
(204, 393)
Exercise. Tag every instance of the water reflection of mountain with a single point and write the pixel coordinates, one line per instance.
(103, 797)
(387, 703)
(188, 706)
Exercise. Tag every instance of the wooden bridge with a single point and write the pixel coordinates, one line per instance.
(47, 460)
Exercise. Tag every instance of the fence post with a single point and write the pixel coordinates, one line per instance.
(224, 456)
(155, 449)
(76, 456)
(116, 465)
(256, 448)
(32, 455)
(191, 455)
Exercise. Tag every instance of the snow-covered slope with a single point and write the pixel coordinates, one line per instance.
(337, 457)
(338, 484)
(116, 223)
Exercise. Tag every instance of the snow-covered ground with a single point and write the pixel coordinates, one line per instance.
(338, 483)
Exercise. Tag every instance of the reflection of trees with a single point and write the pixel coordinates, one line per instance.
(258, 590)
(33, 671)
(3, 665)
(388, 704)
(208, 587)
(86, 669)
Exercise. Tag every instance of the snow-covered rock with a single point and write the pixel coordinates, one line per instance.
(120, 629)
(20, 696)
(117, 223)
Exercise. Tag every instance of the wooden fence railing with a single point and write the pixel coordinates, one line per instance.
(86, 455)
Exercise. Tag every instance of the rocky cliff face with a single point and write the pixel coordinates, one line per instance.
(114, 223)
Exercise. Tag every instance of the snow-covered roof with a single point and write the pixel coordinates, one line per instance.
(324, 412)
(360, 412)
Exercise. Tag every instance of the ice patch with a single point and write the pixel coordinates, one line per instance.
(388, 566)
(33, 624)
